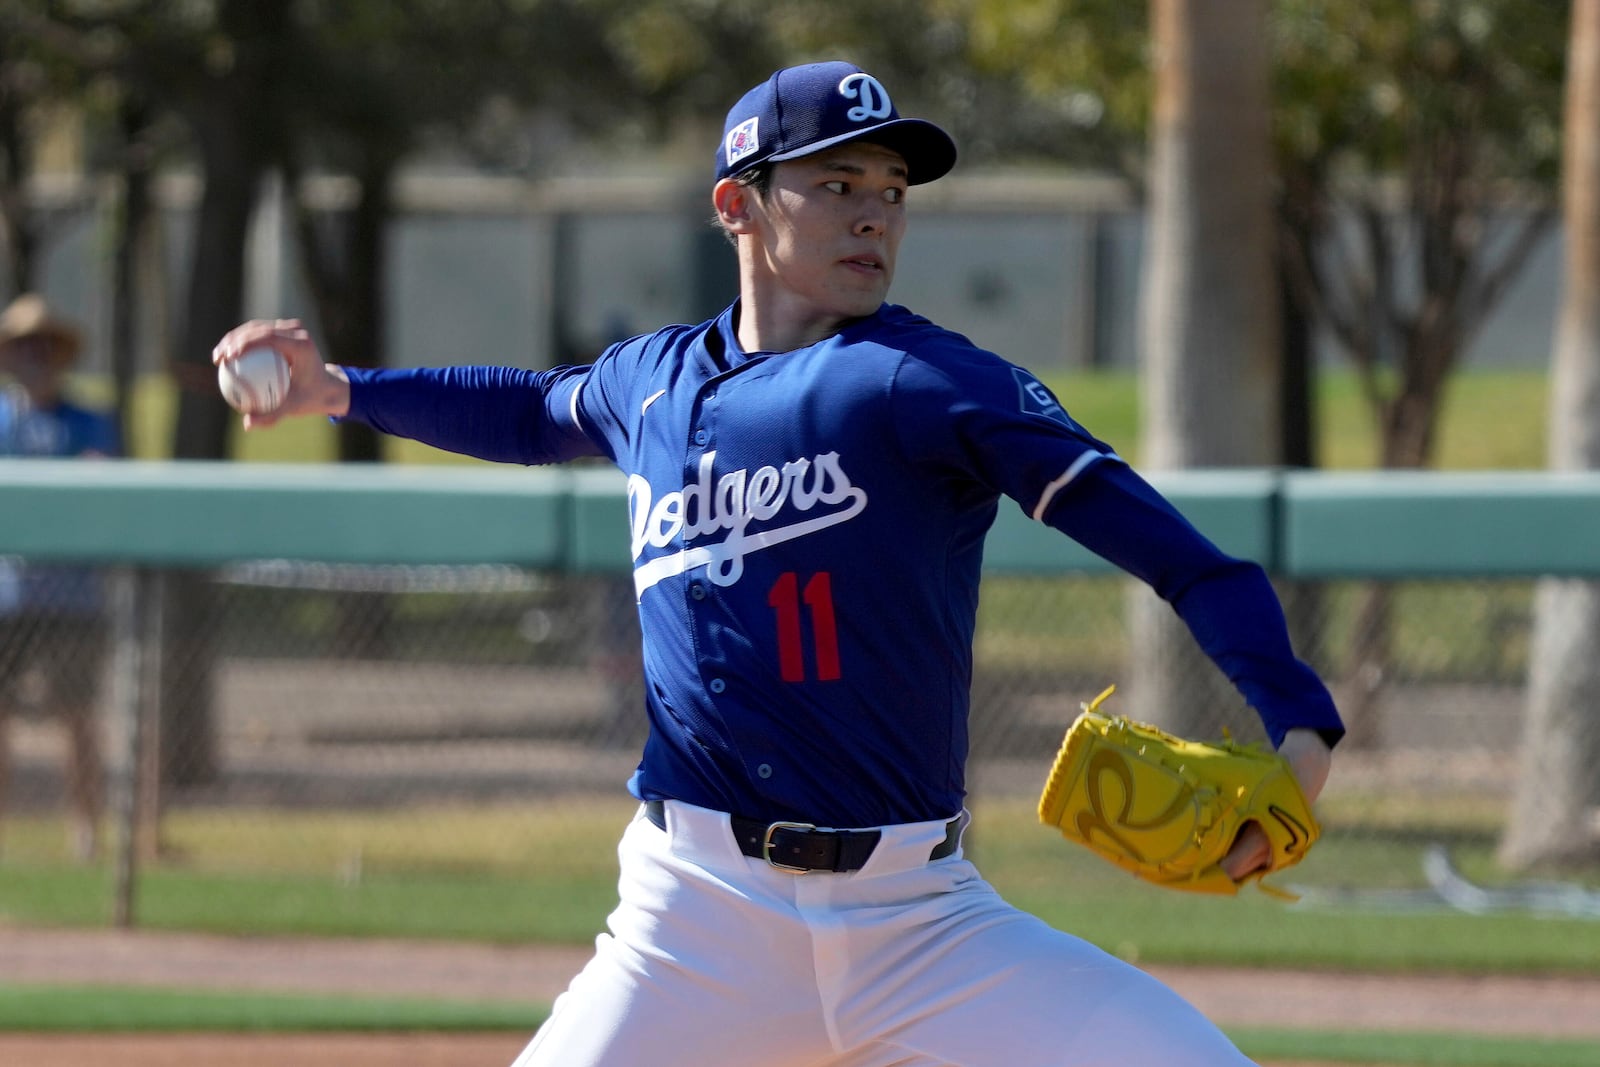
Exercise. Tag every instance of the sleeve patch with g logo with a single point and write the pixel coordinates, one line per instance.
(1035, 399)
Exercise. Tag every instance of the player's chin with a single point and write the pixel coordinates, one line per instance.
(857, 301)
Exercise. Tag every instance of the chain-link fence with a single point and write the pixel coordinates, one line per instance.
(334, 717)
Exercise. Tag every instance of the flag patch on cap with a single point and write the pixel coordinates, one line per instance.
(742, 140)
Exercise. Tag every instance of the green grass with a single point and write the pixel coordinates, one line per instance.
(1491, 419)
(112, 1009)
(1074, 890)
(1406, 1049)
(1511, 403)
(528, 873)
(510, 874)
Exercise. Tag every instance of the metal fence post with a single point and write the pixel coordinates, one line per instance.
(136, 635)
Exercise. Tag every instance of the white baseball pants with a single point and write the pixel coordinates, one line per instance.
(715, 959)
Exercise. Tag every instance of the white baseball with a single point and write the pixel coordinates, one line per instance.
(256, 382)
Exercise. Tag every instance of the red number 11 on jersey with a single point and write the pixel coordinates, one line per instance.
(786, 599)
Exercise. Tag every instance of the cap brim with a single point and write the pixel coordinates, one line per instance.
(929, 152)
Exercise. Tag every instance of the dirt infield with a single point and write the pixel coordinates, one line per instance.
(1495, 1005)
(260, 1050)
(303, 1050)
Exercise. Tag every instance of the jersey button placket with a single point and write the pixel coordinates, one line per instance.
(698, 591)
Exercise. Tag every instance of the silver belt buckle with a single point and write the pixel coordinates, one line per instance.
(766, 844)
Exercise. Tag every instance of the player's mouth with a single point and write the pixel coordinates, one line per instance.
(868, 264)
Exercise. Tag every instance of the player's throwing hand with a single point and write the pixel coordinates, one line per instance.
(315, 387)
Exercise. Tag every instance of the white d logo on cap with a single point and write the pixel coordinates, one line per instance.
(873, 96)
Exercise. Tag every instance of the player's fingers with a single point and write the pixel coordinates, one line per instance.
(288, 336)
(1251, 851)
(238, 339)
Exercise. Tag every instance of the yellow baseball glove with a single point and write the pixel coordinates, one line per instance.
(1168, 809)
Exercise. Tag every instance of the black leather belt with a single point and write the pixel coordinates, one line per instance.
(801, 847)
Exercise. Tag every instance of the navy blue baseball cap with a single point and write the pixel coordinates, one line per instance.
(801, 110)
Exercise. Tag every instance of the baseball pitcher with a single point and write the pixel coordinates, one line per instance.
(810, 477)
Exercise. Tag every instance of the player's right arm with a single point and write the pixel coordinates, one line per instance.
(504, 414)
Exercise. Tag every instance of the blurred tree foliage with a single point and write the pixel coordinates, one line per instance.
(1417, 146)
(27, 84)
(1400, 126)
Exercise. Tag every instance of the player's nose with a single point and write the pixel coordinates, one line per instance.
(872, 219)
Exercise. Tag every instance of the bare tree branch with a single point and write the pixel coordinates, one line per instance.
(1483, 293)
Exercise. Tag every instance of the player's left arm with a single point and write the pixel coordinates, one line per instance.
(978, 416)
(1228, 604)
(995, 424)
(1234, 613)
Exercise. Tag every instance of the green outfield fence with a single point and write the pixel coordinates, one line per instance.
(289, 662)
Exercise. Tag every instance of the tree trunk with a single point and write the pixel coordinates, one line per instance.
(216, 305)
(1408, 426)
(1304, 602)
(345, 261)
(1549, 812)
(235, 124)
(1297, 384)
(344, 256)
(131, 238)
(233, 171)
(1560, 775)
(1210, 326)
(18, 231)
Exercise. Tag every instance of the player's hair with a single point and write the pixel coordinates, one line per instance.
(758, 178)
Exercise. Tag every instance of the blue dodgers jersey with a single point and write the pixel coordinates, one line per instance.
(807, 533)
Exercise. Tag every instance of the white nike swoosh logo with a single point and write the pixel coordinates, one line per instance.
(651, 399)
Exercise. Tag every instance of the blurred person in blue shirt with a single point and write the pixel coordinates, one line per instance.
(52, 626)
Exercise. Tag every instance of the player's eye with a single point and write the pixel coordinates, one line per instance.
(895, 195)
(836, 187)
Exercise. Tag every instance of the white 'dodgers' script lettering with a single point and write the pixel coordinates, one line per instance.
(730, 503)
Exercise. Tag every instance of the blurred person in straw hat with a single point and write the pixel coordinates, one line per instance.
(52, 632)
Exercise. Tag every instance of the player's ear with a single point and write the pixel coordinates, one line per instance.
(734, 202)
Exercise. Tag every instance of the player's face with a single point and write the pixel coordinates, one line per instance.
(828, 232)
